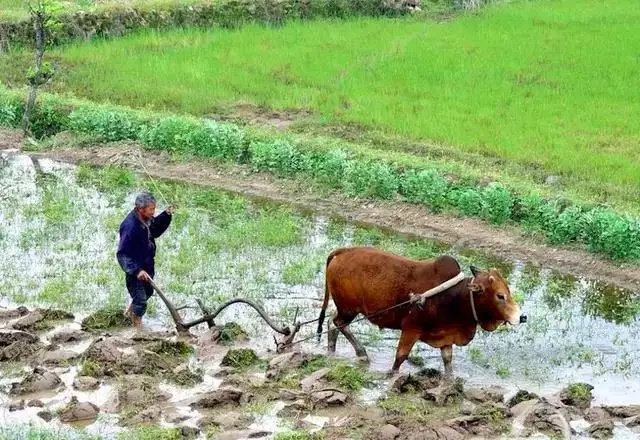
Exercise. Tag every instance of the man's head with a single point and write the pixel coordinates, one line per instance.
(145, 205)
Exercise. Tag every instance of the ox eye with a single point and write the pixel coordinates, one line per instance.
(501, 296)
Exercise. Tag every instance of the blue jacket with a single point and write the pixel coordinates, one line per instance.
(137, 247)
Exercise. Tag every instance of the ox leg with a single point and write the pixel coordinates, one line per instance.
(447, 355)
(342, 323)
(408, 339)
(332, 336)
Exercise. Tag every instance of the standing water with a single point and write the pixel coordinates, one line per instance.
(59, 236)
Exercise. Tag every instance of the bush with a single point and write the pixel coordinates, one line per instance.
(496, 204)
(566, 227)
(426, 187)
(611, 234)
(169, 133)
(329, 167)
(110, 124)
(279, 157)
(468, 201)
(370, 179)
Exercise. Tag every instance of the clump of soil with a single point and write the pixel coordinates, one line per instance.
(41, 319)
(521, 396)
(18, 345)
(228, 334)
(139, 399)
(39, 380)
(240, 358)
(577, 395)
(109, 317)
(77, 411)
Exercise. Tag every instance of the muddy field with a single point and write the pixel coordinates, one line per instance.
(59, 235)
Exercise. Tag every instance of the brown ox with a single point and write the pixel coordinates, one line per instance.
(369, 281)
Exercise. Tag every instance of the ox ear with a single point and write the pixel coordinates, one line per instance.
(474, 270)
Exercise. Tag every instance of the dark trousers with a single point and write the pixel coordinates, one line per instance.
(140, 292)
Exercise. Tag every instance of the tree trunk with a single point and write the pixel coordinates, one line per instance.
(38, 26)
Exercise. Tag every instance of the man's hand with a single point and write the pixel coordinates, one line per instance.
(143, 276)
(170, 209)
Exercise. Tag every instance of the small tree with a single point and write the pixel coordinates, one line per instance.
(43, 17)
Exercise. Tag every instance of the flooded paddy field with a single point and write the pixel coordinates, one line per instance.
(59, 236)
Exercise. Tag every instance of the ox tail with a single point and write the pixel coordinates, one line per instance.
(327, 295)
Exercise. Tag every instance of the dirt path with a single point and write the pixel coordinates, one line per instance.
(405, 218)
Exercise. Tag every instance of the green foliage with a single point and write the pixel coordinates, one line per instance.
(240, 358)
(108, 317)
(110, 124)
(279, 157)
(299, 435)
(468, 201)
(300, 272)
(426, 187)
(496, 203)
(329, 167)
(611, 234)
(349, 377)
(370, 179)
(151, 433)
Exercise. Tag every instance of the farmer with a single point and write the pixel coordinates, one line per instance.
(137, 250)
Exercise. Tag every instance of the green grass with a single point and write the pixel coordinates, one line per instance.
(302, 271)
(526, 82)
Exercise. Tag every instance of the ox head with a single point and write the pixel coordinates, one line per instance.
(493, 300)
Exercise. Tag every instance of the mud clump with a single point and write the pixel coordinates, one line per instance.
(484, 395)
(137, 396)
(601, 430)
(77, 411)
(18, 345)
(547, 419)
(39, 380)
(41, 319)
(227, 421)
(220, 397)
(521, 396)
(423, 380)
(65, 337)
(577, 395)
(445, 394)
(240, 358)
(228, 334)
(86, 383)
(109, 317)
(326, 398)
(8, 315)
(59, 357)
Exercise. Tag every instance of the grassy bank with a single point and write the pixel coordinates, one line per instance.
(547, 85)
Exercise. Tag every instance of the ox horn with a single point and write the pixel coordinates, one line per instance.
(474, 270)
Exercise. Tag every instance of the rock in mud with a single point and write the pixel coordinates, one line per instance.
(227, 421)
(314, 380)
(219, 397)
(425, 379)
(577, 395)
(106, 351)
(138, 391)
(547, 419)
(17, 345)
(228, 334)
(484, 395)
(386, 432)
(35, 404)
(601, 430)
(289, 395)
(28, 321)
(59, 357)
(521, 396)
(445, 394)
(623, 412)
(7, 315)
(596, 414)
(325, 398)
(86, 383)
(632, 422)
(284, 362)
(294, 409)
(240, 358)
(45, 415)
(78, 411)
(144, 416)
(473, 425)
(16, 406)
(39, 380)
(189, 432)
(65, 337)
